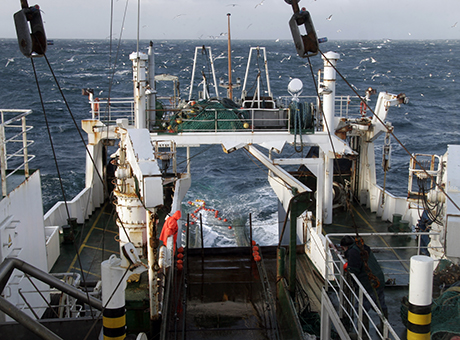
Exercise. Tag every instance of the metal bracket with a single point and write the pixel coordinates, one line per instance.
(306, 45)
(130, 252)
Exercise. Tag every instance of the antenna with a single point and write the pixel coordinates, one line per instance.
(295, 88)
(230, 88)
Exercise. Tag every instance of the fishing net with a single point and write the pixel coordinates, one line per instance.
(212, 115)
(445, 318)
(311, 322)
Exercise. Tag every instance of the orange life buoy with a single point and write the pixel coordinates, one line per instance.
(96, 106)
(362, 108)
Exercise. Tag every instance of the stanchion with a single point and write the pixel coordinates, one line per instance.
(113, 299)
(420, 298)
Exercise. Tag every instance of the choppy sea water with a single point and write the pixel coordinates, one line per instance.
(428, 72)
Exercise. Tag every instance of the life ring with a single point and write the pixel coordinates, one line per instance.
(362, 108)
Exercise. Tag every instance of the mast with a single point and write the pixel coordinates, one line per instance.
(139, 60)
(330, 61)
(230, 89)
(151, 88)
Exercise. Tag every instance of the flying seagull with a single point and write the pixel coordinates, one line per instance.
(10, 60)
(260, 3)
(329, 17)
(285, 58)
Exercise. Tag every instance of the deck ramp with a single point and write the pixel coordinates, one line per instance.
(225, 297)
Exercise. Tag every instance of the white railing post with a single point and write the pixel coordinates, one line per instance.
(341, 287)
(326, 270)
(325, 320)
(3, 164)
(360, 313)
(24, 145)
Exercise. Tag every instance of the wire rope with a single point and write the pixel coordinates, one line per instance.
(207, 61)
(391, 132)
(113, 67)
(57, 165)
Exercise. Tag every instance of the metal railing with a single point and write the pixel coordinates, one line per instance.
(345, 106)
(348, 294)
(14, 144)
(432, 171)
(256, 119)
(6, 270)
(65, 306)
(273, 119)
(109, 111)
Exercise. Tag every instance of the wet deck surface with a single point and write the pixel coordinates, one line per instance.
(94, 242)
(392, 252)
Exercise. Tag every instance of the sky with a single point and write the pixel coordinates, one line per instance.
(250, 19)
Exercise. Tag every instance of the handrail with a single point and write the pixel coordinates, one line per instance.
(347, 309)
(346, 106)
(350, 306)
(6, 270)
(108, 111)
(8, 138)
(275, 119)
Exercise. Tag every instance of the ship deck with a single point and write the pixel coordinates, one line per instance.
(225, 296)
(391, 250)
(93, 242)
(96, 240)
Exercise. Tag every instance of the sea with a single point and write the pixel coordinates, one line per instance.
(428, 72)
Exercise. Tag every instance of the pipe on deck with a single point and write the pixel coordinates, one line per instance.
(7, 268)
